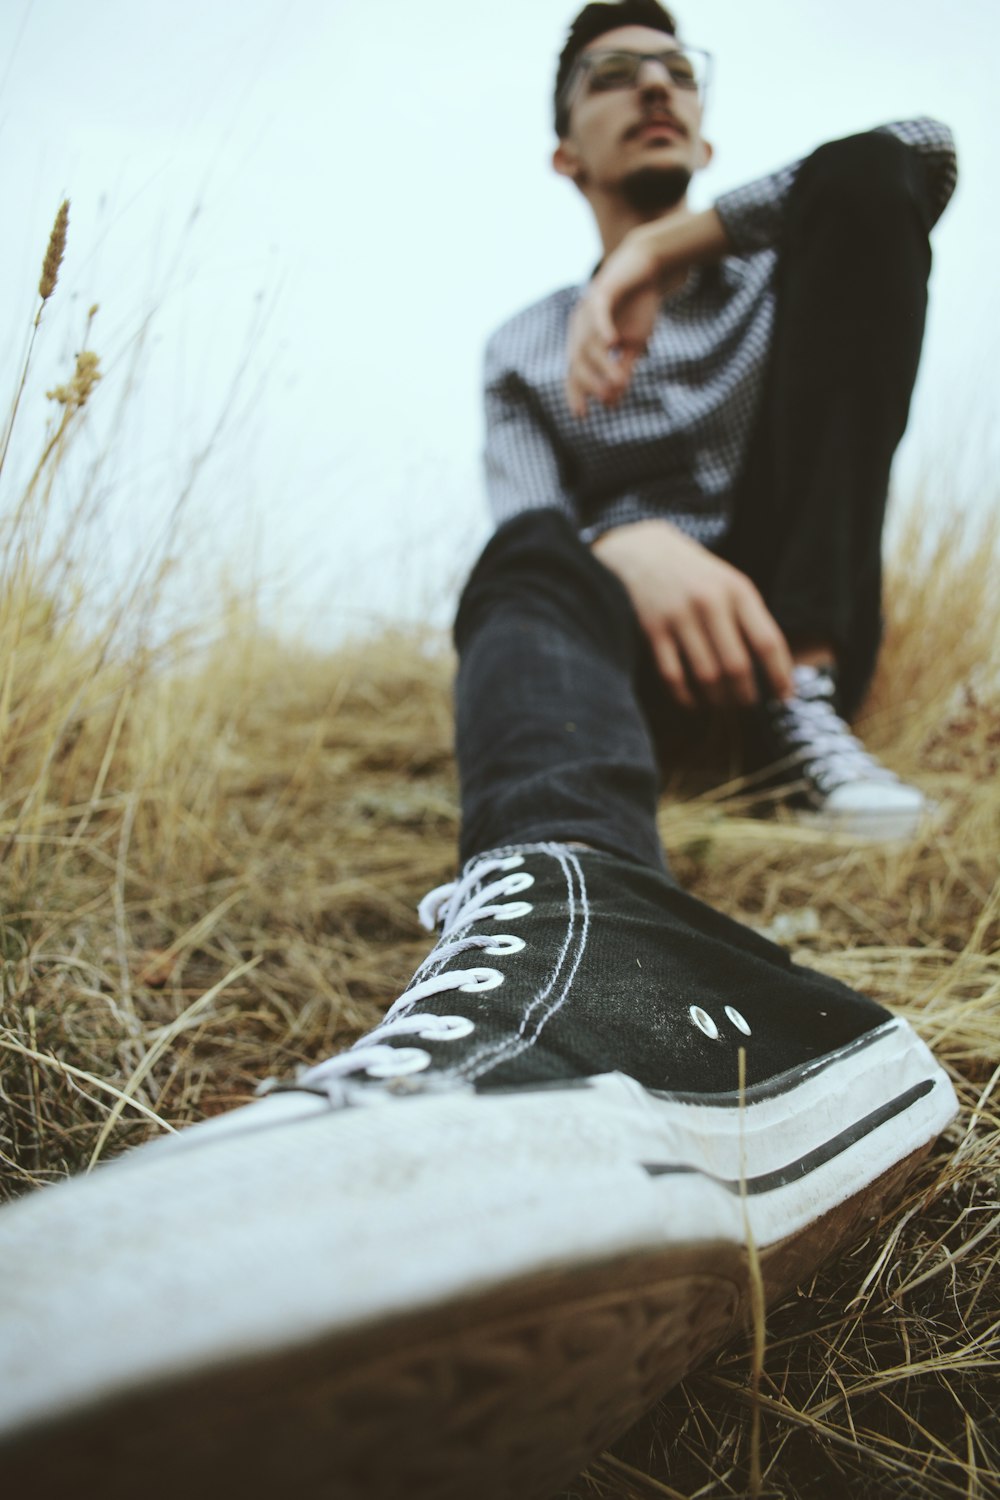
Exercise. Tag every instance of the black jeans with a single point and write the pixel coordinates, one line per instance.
(557, 703)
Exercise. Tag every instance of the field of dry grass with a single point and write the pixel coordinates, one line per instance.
(210, 867)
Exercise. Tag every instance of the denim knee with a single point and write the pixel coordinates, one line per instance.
(865, 181)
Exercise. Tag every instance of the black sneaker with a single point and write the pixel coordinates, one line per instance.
(831, 779)
(463, 1256)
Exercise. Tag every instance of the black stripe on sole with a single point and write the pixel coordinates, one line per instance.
(766, 1182)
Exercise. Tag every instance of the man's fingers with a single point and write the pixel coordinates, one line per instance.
(605, 367)
(767, 643)
(592, 327)
(584, 382)
(777, 663)
(598, 369)
(628, 356)
(593, 375)
(712, 634)
(702, 660)
(576, 396)
(733, 657)
(672, 671)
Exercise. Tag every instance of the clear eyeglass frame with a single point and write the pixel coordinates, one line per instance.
(698, 60)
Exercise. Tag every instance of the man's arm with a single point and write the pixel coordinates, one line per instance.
(753, 216)
(523, 469)
(707, 624)
(614, 320)
(705, 620)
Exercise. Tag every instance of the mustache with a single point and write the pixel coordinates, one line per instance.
(656, 117)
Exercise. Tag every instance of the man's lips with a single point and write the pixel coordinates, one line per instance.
(655, 124)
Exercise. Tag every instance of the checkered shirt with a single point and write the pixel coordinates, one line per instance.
(674, 445)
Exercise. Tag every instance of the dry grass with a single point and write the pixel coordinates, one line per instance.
(210, 868)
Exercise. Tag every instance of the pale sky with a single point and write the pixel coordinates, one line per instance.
(332, 204)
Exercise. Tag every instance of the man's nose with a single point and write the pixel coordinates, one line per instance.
(653, 76)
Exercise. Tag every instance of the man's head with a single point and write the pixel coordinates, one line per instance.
(627, 127)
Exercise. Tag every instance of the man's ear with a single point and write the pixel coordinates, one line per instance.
(705, 153)
(566, 162)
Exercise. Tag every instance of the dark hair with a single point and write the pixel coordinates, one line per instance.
(592, 22)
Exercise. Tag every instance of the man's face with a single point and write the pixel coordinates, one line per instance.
(650, 129)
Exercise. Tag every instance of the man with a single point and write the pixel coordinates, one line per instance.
(462, 1256)
(748, 374)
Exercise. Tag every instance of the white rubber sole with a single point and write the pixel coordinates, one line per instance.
(889, 827)
(442, 1296)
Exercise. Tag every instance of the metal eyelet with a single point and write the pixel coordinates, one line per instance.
(448, 1029)
(504, 942)
(704, 1022)
(513, 909)
(482, 979)
(740, 1022)
(406, 1060)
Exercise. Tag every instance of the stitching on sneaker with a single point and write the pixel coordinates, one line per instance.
(577, 931)
(468, 1066)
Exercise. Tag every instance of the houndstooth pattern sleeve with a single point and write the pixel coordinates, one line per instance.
(753, 215)
(522, 464)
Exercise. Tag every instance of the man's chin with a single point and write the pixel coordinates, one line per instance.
(652, 190)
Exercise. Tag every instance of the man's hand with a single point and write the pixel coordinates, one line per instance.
(706, 622)
(611, 325)
(613, 322)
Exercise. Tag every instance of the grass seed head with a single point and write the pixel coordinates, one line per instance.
(54, 254)
(85, 377)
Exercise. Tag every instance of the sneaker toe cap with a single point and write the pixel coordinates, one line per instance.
(876, 798)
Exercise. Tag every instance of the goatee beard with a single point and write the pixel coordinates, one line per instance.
(651, 190)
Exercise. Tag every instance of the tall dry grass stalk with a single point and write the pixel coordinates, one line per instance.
(54, 252)
(210, 872)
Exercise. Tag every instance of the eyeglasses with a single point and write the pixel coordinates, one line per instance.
(604, 71)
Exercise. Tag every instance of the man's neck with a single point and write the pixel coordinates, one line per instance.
(615, 218)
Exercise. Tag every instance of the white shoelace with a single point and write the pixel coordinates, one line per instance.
(455, 907)
(832, 756)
